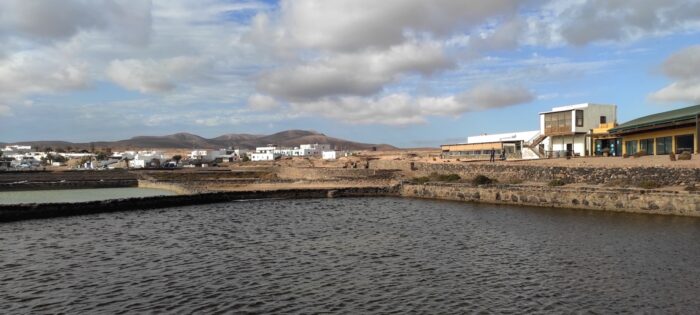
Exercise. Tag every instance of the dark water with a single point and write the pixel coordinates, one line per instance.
(355, 256)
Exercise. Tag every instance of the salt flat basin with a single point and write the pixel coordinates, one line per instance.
(351, 256)
(78, 195)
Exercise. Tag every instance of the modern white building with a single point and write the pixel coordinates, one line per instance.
(330, 155)
(265, 156)
(568, 128)
(144, 159)
(515, 145)
(207, 155)
(302, 150)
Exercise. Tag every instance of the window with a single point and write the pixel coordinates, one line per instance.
(579, 118)
(603, 119)
(647, 146)
(663, 145)
(685, 143)
(631, 147)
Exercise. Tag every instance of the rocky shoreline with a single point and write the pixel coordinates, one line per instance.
(578, 190)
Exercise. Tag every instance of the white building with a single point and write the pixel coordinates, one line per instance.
(329, 155)
(208, 155)
(515, 145)
(144, 159)
(266, 156)
(569, 127)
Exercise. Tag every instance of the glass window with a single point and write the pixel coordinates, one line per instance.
(631, 147)
(685, 143)
(579, 118)
(603, 119)
(663, 145)
(647, 146)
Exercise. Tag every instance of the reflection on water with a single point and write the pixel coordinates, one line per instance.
(361, 255)
(77, 195)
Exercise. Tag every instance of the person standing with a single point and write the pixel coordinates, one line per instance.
(493, 155)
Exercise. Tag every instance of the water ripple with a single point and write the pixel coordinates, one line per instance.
(379, 255)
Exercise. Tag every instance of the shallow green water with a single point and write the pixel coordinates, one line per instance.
(77, 195)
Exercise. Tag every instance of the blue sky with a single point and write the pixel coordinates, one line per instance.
(404, 72)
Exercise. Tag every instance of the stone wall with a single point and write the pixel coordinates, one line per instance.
(622, 200)
(515, 171)
(48, 210)
(36, 180)
(327, 173)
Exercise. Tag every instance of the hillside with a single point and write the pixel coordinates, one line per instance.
(183, 140)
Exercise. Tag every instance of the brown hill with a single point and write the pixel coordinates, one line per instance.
(183, 140)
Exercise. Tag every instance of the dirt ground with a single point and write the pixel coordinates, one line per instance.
(432, 156)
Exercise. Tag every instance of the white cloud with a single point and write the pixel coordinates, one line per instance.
(36, 72)
(403, 109)
(362, 73)
(155, 76)
(259, 102)
(684, 67)
(128, 20)
(359, 24)
(619, 20)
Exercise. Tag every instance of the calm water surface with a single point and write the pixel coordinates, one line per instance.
(355, 256)
(77, 195)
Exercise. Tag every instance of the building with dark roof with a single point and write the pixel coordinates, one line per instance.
(658, 134)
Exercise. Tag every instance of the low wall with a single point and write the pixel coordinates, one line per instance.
(622, 200)
(507, 172)
(327, 173)
(48, 210)
(38, 180)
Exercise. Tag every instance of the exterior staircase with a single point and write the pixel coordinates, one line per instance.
(531, 149)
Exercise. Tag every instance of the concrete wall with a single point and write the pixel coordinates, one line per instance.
(588, 175)
(622, 200)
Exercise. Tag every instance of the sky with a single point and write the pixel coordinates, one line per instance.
(411, 73)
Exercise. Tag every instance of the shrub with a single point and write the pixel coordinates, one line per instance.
(672, 156)
(685, 156)
(691, 187)
(421, 180)
(514, 181)
(648, 184)
(448, 178)
(556, 182)
(482, 180)
(624, 156)
(640, 153)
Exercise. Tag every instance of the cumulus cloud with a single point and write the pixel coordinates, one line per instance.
(403, 109)
(259, 102)
(130, 20)
(155, 76)
(35, 72)
(358, 24)
(684, 67)
(619, 20)
(362, 73)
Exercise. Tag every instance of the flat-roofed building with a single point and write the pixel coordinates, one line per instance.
(516, 145)
(569, 127)
(659, 134)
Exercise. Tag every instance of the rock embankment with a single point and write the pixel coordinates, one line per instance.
(588, 198)
(663, 176)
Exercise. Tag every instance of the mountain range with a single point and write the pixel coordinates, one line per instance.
(289, 138)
